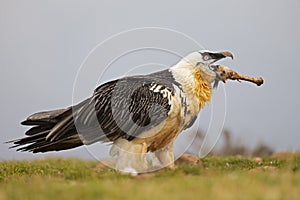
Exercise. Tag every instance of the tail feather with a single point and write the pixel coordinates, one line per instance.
(45, 146)
(61, 128)
(45, 117)
(51, 131)
(29, 139)
(37, 129)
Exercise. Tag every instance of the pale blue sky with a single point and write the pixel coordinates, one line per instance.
(43, 43)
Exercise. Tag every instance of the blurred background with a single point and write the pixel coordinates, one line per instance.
(43, 44)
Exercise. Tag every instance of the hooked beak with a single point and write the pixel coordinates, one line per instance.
(227, 54)
(218, 56)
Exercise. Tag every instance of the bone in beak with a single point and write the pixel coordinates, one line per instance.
(226, 73)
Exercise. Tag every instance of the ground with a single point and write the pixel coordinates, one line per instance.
(276, 177)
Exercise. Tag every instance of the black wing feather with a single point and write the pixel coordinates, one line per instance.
(124, 108)
(121, 108)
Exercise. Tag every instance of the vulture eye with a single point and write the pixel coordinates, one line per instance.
(206, 57)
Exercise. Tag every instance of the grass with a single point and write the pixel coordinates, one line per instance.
(216, 178)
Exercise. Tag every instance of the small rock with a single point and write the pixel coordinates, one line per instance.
(189, 159)
(258, 160)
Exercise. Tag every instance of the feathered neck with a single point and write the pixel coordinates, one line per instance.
(195, 81)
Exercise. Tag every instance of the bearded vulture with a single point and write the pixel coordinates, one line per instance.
(137, 114)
